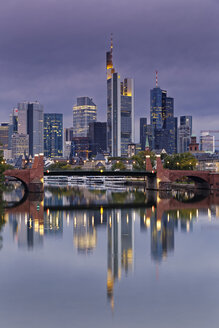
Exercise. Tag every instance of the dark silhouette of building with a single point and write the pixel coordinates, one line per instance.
(97, 137)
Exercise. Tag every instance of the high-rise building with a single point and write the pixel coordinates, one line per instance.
(22, 117)
(163, 122)
(97, 137)
(186, 120)
(185, 133)
(30, 121)
(207, 142)
(20, 145)
(4, 136)
(84, 112)
(127, 115)
(69, 135)
(35, 128)
(53, 135)
(143, 132)
(14, 120)
(120, 110)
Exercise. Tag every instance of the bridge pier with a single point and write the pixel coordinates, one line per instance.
(31, 178)
(151, 183)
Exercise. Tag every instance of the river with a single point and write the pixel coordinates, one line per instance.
(83, 257)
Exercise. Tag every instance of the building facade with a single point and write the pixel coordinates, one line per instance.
(162, 121)
(84, 112)
(4, 136)
(185, 133)
(207, 142)
(20, 145)
(120, 110)
(143, 132)
(97, 137)
(53, 135)
(30, 122)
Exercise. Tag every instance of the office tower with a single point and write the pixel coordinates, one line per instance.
(120, 110)
(4, 136)
(84, 112)
(68, 134)
(19, 145)
(22, 117)
(127, 114)
(186, 120)
(53, 135)
(163, 122)
(14, 120)
(80, 147)
(35, 128)
(207, 142)
(185, 133)
(97, 137)
(30, 121)
(143, 132)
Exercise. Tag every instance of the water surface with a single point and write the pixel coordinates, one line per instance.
(156, 265)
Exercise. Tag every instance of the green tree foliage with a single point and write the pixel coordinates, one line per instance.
(60, 166)
(185, 161)
(3, 167)
(139, 160)
(118, 165)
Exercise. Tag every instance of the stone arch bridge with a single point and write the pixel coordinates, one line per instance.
(160, 178)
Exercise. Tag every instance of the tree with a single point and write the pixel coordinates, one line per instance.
(139, 160)
(3, 167)
(118, 165)
(185, 161)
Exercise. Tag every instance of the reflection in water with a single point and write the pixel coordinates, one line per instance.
(31, 225)
(120, 230)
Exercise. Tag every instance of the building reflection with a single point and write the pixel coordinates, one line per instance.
(85, 229)
(30, 224)
(120, 247)
(162, 237)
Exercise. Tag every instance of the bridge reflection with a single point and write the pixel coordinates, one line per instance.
(33, 221)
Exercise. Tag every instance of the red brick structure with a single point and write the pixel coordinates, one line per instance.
(202, 179)
(31, 178)
(194, 145)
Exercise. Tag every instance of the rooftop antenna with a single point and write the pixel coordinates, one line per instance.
(111, 39)
(156, 79)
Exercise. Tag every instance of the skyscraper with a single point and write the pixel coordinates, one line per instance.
(120, 110)
(97, 137)
(143, 132)
(84, 112)
(4, 136)
(53, 135)
(207, 142)
(185, 133)
(30, 121)
(163, 122)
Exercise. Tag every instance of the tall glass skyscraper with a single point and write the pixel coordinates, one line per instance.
(163, 122)
(84, 113)
(53, 135)
(185, 133)
(143, 132)
(120, 110)
(30, 121)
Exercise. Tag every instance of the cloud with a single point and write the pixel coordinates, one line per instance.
(54, 51)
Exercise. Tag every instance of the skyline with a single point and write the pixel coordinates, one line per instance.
(58, 58)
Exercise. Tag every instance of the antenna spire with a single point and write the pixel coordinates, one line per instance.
(111, 45)
(156, 79)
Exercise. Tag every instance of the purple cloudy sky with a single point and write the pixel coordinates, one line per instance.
(54, 51)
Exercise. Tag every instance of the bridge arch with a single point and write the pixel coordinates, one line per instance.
(24, 184)
(200, 182)
(32, 178)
